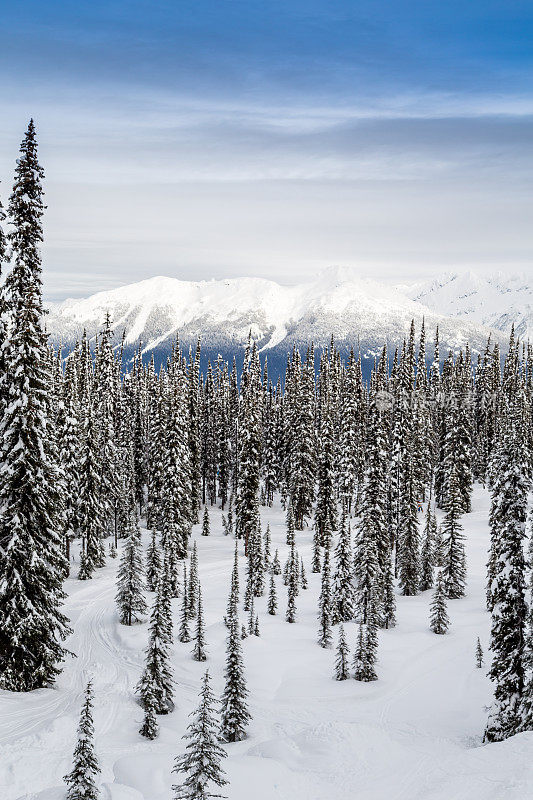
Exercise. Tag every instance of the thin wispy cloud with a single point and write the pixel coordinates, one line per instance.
(207, 138)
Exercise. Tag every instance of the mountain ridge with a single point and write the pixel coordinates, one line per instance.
(357, 312)
(497, 300)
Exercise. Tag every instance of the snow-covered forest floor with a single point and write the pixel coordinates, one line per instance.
(414, 734)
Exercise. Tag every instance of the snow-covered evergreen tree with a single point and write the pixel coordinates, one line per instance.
(507, 586)
(91, 511)
(150, 726)
(272, 597)
(342, 668)
(32, 559)
(438, 619)
(343, 607)
(315, 562)
(479, 654)
(234, 710)
(153, 563)
(325, 508)
(267, 547)
(192, 590)
(199, 768)
(206, 529)
(289, 536)
(452, 548)
(199, 652)
(292, 591)
(81, 780)
(156, 683)
(325, 603)
(427, 554)
(409, 536)
(365, 654)
(130, 598)
(251, 617)
(184, 634)
(249, 426)
(303, 577)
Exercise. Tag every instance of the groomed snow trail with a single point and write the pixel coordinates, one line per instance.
(415, 734)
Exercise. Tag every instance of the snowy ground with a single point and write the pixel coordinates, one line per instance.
(413, 734)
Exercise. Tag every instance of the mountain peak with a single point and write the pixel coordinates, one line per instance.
(496, 299)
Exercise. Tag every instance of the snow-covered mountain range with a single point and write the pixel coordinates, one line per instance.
(357, 312)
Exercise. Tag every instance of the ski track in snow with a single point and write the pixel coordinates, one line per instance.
(415, 734)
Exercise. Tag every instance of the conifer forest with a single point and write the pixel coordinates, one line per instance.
(217, 584)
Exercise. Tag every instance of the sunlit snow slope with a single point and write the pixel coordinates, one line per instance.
(415, 734)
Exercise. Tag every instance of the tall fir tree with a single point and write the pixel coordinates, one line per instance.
(32, 560)
(234, 709)
(130, 598)
(184, 634)
(157, 681)
(344, 601)
(292, 585)
(507, 584)
(325, 606)
(249, 447)
(192, 590)
(372, 555)
(325, 508)
(91, 512)
(408, 545)
(427, 553)
(453, 556)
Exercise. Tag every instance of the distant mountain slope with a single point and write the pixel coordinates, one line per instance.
(496, 300)
(358, 313)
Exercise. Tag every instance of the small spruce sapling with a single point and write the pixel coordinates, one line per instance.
(272, 598)
(81, 781)
(199, 767)
(303, 576)
(206, 528)
(479, 654)
(199, 652)
(342, 670)
(439, 621)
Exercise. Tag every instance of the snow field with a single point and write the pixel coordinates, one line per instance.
(415, 733)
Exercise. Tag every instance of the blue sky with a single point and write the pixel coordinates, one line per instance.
(209, 139)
